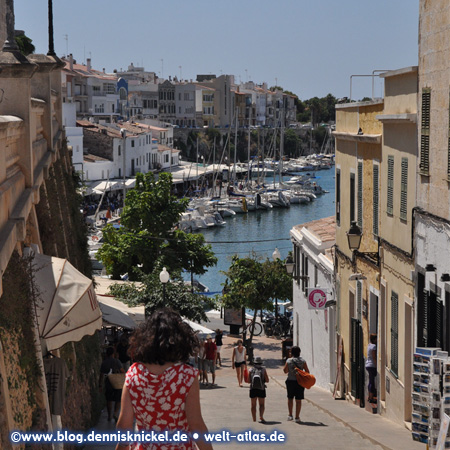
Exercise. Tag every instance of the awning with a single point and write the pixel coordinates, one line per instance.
(118, 314)
(202, 331)
(99, 187)
(113, 316)
(67, 309)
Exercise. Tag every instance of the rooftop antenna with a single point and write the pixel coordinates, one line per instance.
(180, 73)
(162, 68)
(66, 37)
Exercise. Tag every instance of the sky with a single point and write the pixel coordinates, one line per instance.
(308, 47)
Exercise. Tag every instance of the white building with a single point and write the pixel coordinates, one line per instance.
(314, 329)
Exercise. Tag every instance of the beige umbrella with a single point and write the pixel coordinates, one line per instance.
(67, 309)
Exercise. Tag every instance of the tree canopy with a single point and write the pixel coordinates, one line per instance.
(150, 293)
(147, 236)
(254, 284)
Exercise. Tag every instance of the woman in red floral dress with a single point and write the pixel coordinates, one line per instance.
(161, 392)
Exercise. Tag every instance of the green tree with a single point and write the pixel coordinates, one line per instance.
(25, 44)
(149, 215)
(186, 251)
(254, 284)
(176, 295)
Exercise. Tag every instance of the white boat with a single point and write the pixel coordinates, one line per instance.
(278, 199)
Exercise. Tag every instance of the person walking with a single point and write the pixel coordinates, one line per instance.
(258, 378)
(210, 359)
(238, 361)
(371, 367)
(292, 387)
(110, 365)
(203, 375)
(161, 392)
(218, 341)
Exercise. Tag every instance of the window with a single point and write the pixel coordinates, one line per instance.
(424, 166)
(394, 333)
(352, 197)
(390, 186)
(360, 194)
(376, 181)
(132, 142)
(338, 197)
(316, 275)
(404, 190)
(118, 148)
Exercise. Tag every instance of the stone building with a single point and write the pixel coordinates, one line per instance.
(39, 213)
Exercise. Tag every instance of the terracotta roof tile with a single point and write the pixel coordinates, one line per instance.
(324, 229)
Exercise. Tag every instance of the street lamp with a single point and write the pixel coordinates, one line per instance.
(164, 278)
(354, 236)
(289, 263)
(276, 256)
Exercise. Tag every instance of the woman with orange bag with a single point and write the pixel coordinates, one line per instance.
(292, 386)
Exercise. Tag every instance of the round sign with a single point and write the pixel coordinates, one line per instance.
(317, 298)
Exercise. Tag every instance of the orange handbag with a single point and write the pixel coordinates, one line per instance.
(305, 379)
(246, 374)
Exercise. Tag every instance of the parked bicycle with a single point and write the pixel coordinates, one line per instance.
(248, 327)
(280, 326)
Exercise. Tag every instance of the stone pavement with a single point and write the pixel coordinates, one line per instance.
(326, 422)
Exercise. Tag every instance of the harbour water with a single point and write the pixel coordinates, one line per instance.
(260, 232)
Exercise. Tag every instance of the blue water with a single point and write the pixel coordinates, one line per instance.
(269, 228)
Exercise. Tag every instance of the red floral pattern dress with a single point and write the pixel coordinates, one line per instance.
(159, 401)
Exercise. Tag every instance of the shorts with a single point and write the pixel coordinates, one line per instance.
(208, 364)
(257, 393)
(219, 347)
(239, 364)
(295, 390)
(200, 364)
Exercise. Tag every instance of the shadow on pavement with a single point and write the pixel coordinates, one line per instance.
(270, 422)
(312, 424)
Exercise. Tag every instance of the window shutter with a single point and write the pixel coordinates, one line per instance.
(448, 148)
(359, 300)
(360, 194)
(404, 190)
(390, 186)
(425, 134)
(394, 333)
(376, 171)
(352, 197)
(338, 197)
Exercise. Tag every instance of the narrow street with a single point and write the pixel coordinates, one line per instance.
(325, 422)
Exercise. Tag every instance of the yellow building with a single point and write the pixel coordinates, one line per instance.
(376, 146)
(396, 202)
(358, 146)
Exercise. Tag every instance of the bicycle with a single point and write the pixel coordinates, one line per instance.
(257, 330)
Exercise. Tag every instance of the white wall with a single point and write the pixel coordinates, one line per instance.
(312, 328)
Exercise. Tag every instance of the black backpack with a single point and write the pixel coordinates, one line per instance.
(257, 378)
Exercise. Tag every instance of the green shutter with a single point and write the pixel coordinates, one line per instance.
(360, 194)
(359, 300)
(448, 148)
(338, 197)
(376, 172)
(404, 190)
(394, 333)
(390, 186)
(425, 134)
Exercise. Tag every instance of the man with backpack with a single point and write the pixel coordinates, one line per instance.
(258, 378)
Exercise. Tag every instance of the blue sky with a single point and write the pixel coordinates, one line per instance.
(310, 47)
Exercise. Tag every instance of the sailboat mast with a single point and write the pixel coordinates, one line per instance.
(281, 145)
(248, 151)
(235, 145)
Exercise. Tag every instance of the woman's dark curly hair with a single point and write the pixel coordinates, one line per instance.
(162, 338)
